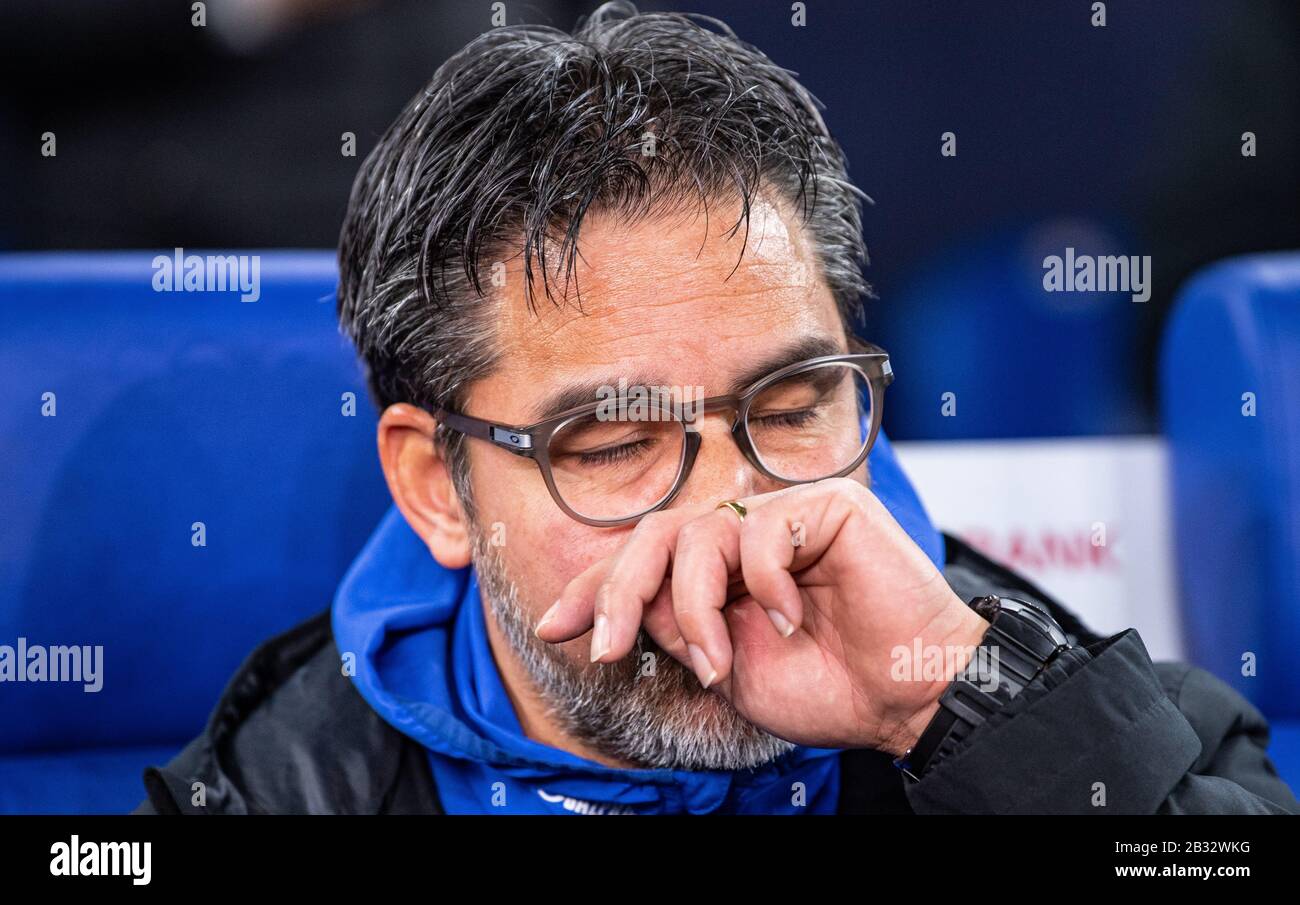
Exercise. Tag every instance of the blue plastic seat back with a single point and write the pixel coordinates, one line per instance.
(1230, 399)
(170, 409)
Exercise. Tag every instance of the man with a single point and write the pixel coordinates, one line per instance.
(650, 553)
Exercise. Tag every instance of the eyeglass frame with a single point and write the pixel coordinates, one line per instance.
(532, 441)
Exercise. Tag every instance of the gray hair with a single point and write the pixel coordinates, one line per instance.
(528, 128)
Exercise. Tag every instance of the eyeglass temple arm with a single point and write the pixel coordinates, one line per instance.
(859, 346)
(516, 441)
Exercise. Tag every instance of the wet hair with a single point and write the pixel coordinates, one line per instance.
(526, 130)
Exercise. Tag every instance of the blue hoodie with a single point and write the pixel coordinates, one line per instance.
(418, 637)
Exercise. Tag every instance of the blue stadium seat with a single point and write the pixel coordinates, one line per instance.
(1230, 401)
(975, 321)
(171, 409)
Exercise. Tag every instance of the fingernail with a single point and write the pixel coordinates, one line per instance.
(703, 668)
(547, 617)
(783, 625)
(600, 638)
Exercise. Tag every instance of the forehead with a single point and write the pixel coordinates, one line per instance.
(667, 298)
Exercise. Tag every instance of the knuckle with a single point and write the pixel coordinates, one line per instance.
(649, 525)
(693, 532)
(688, 621)
(604, 604)
(844, 485)
(766, 514)
(851, 493)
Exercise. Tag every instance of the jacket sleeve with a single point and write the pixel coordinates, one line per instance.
(1104, 730)
(167, 789)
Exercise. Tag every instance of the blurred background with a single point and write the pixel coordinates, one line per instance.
(1122, 136)
(1070, 412)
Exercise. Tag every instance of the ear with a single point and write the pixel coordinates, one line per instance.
(420, 481)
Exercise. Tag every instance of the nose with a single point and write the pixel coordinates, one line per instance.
(721, 471)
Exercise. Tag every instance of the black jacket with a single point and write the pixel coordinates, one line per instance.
(1103, 723)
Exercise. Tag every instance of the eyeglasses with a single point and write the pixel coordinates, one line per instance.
(610, 462)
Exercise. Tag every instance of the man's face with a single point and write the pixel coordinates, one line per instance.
(664, 302)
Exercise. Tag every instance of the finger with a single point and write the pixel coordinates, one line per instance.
(770, 541)
(707, 552)
(661, 625)
(571, 615)
(635, 579)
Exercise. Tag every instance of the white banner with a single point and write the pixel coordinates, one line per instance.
(1085, 519)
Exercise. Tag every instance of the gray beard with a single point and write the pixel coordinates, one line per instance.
(646, 709)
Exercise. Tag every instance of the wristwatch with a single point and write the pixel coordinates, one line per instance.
(1021, 640)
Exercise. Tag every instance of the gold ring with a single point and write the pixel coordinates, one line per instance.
(735, 506)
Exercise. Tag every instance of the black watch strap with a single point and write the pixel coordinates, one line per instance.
(1020, 641)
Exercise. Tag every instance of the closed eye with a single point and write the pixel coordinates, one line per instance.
(797, 418)
(613, 454)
